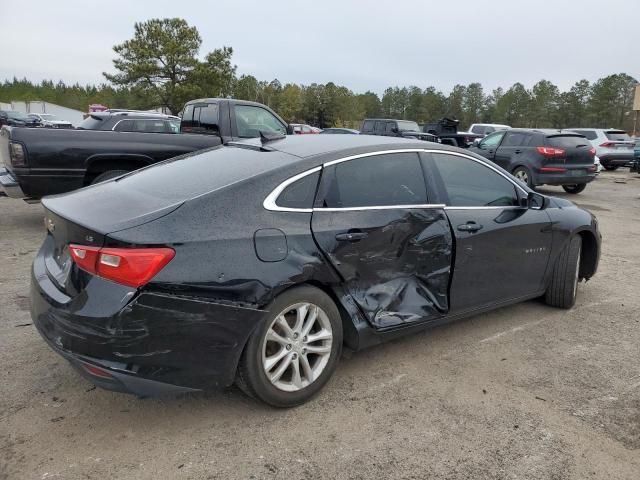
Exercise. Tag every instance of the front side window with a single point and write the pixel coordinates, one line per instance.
(514, 139)
(367, 126)
(380, 126)
(375, 181)
(124, 126)
(492, 141)
(250, 121)
(468, 183)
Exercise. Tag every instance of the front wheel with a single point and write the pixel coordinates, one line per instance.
(524, 175)
(577, 188)
(294, 351)
(563, 288)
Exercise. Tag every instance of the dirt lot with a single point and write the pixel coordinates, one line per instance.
(523, 392)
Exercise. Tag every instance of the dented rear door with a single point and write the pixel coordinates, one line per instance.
(392, 248)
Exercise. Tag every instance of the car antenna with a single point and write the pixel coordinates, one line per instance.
(270, 137)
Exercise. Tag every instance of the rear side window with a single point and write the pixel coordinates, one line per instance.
(367, 126)
(515, 139)
(200, 118)
(300, 194)
(617, 136)
(567, 141)
(251, 120)
(380, 127)
(376, 181)
(389, 127)
(471, 184)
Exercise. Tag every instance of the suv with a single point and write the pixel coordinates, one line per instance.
(542, 156)
(395, 128)
(613, 147)
(487, 128)
(131, 121)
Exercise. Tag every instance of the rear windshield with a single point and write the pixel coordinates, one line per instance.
(617, 135)
(91, 123)
(567, 141)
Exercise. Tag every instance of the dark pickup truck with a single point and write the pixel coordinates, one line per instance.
(447, 131)
(39, 162)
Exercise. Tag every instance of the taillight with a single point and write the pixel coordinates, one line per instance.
(607, 144)
(17, 155)
(550, 151)
(592, 151)
(133, 267)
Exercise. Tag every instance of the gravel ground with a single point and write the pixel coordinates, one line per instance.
(524, 392)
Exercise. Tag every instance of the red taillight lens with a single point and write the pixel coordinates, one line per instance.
(96, 371)
(592, 151)
(133, 267)
(553, 169)
(550, 151)
(607, 144)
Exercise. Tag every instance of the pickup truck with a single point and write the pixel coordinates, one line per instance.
(39, 162)
(447, 131)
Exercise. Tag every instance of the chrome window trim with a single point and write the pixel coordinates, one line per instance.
(270, 201)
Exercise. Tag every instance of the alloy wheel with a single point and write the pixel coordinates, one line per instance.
(297, 347)
(522, 176)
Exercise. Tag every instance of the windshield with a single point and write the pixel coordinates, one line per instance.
(17, 115)
(175, 126)
(617, 135)
(407, 126)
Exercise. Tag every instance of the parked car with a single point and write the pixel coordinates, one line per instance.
(395, 128)
(302, 129)
(255, 262)
(635, 166)
(599, 166)
(485, 129)
(341, 131)
(613, 147)
(542, 156)
(16, 119)
(446, 129)
(49, 120)
(131, 121)
(41, 162)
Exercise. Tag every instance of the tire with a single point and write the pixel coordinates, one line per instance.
(610, 168)
(263, 354)
(563, 288)
(524, 175)
(108, 175)
(577, 188)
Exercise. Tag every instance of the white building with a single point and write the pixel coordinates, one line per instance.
(63, 113)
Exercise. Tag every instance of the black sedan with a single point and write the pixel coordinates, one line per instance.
(256, 262)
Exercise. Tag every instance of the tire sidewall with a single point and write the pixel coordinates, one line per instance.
(529, 182)
(255, 376)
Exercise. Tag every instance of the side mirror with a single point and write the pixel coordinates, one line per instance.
(290, 129)
(536, 201)
(476, 142)
(395, 130)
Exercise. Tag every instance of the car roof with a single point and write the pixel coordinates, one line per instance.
(305, 146)
(549, 132)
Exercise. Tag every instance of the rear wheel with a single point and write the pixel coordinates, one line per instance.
(577, 188)
(563, 288)
(524, 175)
(295, 349)
(108, 175)
(610, 167)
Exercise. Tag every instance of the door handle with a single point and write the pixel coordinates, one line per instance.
(518, 151)
(469, 227)
(351, 236)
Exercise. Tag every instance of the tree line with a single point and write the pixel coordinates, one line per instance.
(160, 66)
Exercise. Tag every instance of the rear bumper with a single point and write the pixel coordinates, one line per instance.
(155, 344)
(542, 178)
(9, 184)
(617, 159)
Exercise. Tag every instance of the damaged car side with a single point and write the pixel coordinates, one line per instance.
(256, 262)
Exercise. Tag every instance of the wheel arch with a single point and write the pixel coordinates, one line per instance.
(98, 164)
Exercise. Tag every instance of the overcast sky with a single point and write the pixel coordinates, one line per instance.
(359, 44)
